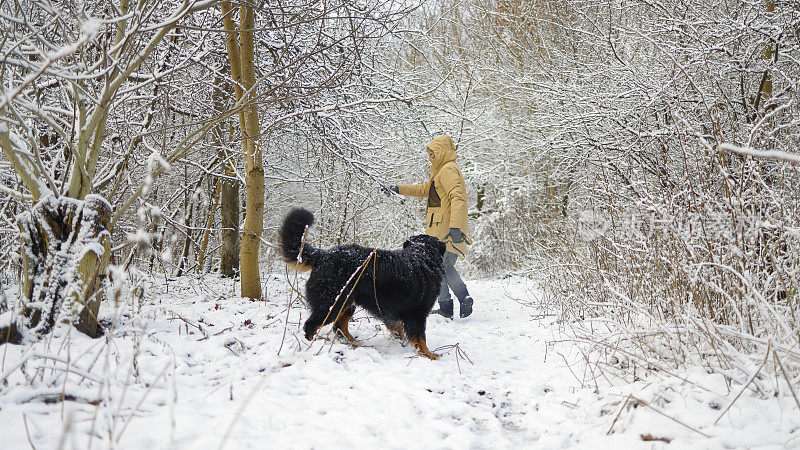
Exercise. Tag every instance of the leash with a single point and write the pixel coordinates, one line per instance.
(449, 239)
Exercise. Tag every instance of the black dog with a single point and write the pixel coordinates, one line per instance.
(397, 286)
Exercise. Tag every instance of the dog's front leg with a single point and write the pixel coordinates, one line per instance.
(422, 348)
(342, 323)
(397, 330)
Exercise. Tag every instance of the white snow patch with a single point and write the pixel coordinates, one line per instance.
(166, 255)
(94, 247)
(91, 27)
(6, 318)
(140, 238)
(156, 159)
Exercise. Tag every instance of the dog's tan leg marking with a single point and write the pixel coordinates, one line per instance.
(422, 348)
(298, 267)
(342, 323)
(397, 330)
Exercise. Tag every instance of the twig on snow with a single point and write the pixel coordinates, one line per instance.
(141, 400)
(786, 376)
(621, 408)
(27, 431)
(460, 353)
(752, 377)
(241, 411)
(669, 417)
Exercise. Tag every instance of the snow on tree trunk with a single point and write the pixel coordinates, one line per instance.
(65, 251)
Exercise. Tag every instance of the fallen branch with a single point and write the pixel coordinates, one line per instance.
(669, 417)
(614, 422)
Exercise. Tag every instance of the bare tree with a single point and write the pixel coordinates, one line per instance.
(63, 73)
(240, 54)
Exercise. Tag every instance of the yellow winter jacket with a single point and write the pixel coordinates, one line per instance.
(446, 192)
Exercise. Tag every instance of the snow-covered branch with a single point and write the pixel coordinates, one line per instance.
(764, 154)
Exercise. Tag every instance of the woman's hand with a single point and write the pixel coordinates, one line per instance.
(391, 189)
(457, 236)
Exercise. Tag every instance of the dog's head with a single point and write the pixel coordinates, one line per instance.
(428, 243)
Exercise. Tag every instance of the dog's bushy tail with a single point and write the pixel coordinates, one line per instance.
(290, 237)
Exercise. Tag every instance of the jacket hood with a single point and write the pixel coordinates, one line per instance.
(443, 150)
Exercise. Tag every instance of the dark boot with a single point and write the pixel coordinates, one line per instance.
(465, 308)
(445, 308)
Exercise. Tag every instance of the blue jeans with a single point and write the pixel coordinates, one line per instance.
(452, 280)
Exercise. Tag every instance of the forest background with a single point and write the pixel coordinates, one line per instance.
(637, 158)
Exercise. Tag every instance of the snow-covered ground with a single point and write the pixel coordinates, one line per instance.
(189, 366)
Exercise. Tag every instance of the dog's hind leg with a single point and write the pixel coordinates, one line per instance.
(342, 323)
(415, 330)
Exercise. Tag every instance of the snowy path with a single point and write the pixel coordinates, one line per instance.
(381, 393)
(207, 373)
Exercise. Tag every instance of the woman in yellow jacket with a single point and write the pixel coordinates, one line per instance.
(445, 218)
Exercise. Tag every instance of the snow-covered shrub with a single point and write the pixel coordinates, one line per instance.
(640, 124)
(520, 229)
(697, 247)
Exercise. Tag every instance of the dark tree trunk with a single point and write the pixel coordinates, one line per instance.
(229, 190)
(229, 209)
(481, 197)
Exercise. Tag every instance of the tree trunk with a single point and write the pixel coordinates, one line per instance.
(203, 250)
(187, 221)
(66, 247)
(24, 167)
(243, 68)
(229, 209)
(768, 55)
(3, 299)
(228, 192)
(481, 197)
(254, 171)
